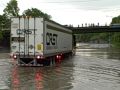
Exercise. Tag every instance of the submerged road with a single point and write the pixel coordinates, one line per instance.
(89, 69)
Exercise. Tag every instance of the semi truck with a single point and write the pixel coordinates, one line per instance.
(38, 42)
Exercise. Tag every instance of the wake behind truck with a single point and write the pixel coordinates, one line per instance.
(36, 41)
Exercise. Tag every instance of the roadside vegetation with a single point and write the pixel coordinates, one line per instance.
(110, 38)
(12, 10)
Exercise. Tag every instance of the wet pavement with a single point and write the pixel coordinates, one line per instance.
(89, 69)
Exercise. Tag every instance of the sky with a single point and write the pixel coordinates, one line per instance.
(75, 12)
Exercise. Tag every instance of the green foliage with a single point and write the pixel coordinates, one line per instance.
(34, 12)
(4, 22)
(116, 40)
(113, 38)
(115, 20)
(93, 37)
(116, 36)
(104, 36)
(1, 36)
(12, 9)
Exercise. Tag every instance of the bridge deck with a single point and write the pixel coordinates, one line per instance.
(95, 29)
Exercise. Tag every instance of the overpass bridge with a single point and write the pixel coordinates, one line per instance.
(89, 29)
(95, 29)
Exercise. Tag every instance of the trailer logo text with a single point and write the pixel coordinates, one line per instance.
(24, 31)
(51, 40)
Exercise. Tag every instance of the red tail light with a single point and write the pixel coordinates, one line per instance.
(39, 57)
(14, 56)
(58, 57)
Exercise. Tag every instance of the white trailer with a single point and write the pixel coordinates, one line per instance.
(35, 41)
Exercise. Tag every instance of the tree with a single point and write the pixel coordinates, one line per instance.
(116, 20)
(1, 36)
(4, 22)
(12, 9)
(116, 36)
(34, 12)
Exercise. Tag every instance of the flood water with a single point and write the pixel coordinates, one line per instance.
(89, 69)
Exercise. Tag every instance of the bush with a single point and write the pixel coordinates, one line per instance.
(1, 36)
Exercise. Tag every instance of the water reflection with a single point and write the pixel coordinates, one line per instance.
(41, 78)
(89, 69)
(108, 53)
(15, 79)
(38, 80)
(113, 53)
(94, 71)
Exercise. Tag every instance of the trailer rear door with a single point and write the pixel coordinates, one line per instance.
(25, 34)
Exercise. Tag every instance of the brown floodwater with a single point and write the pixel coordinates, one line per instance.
(89, 69)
